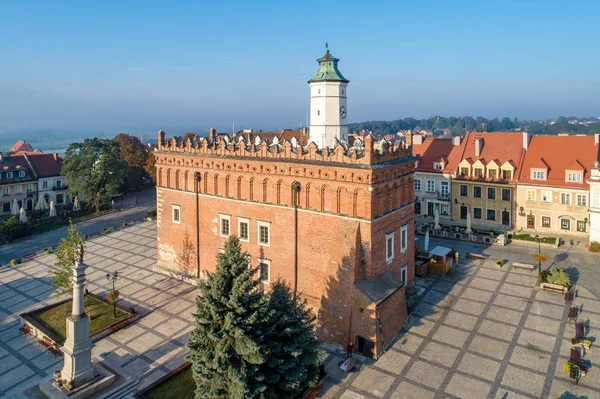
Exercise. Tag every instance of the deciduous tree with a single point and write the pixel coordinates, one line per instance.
(66, 255)
(135, 155)
(94, 170)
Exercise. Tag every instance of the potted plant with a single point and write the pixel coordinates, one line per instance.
(540, 257)
(57, 374)
(106, 231)
(555, 280)
(70, 385)
(500, 263)
(14, 262)
(48, 251)
(125, 224)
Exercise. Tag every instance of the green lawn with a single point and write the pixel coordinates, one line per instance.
(102, 316)
(178, 386)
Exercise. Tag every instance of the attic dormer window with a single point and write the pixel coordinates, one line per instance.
(437, 166)
(9, 175)
(478, 172)
(464, 171)
(574, 177)
(538, 175)
(22, 173)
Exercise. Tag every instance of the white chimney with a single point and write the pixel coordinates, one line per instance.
(526, 139)
(478, 147)
(596, 138)
(417, 139)
(456, 140)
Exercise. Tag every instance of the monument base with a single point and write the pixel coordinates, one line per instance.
(102, 379)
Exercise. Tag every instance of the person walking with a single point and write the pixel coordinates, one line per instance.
(456, 257)
(350, 349)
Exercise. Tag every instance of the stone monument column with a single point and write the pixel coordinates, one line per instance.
(78, 346)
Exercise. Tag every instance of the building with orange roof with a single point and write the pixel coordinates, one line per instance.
(553, 189)
(594, 182)
(21, 147)
(484, 177)
(432, 175)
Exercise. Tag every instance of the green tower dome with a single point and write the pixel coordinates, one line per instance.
(328, 70)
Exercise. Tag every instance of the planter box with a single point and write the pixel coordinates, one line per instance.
(554, 288)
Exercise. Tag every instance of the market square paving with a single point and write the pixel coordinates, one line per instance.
(477, 332)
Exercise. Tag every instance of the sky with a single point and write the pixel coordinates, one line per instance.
(142, 66)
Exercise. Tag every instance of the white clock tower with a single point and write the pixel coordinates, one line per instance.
(328, 109)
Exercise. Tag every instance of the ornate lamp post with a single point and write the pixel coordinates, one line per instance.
(114, 278)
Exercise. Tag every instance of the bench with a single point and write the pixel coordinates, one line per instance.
(524, 266)
(573, 313)
(49, 345)
(579, 330)
(552, 288)
(25, 330)
(568, 298)
(575, 355)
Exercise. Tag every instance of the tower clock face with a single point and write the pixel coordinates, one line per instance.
(343, 112)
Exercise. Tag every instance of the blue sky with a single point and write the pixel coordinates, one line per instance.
(150, 65)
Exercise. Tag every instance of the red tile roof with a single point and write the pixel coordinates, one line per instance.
(432, 150)
(559, 153)
(21, 146)
(498, 146)
(45, 165)
(15, 164)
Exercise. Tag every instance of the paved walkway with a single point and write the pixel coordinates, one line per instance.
(149, 348)
(479, 332)
(133, 206)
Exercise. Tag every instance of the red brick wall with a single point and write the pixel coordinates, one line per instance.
(343, 219)
(392, 315)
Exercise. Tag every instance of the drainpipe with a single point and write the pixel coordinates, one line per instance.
(296, 199)
(197, 181)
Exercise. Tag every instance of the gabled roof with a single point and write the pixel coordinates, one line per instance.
(15, 164)
(45, 165)
(432, 150)
(560, 153)
(500, 146)
(21, 146)
(540, 164)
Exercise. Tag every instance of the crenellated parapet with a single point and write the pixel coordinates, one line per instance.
(367, 152)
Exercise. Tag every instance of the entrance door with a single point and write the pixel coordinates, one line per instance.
(430, 209)
(506, 218)
(29, 205)
(364, 347)
(463, 212)
(417, 207)
(531, 221)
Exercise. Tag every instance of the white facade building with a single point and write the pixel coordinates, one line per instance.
(328, 107)
(594, 182)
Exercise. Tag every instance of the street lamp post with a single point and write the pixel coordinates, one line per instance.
(537, 239)
(114, 278)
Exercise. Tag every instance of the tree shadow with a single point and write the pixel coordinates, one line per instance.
(573, 273)
(568, 395)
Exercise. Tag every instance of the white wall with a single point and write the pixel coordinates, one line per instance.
(326, 123)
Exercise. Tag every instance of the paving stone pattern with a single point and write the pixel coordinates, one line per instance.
(479, 332)
(149, 348)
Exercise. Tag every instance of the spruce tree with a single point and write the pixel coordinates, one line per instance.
(293, 349)
(227, 347)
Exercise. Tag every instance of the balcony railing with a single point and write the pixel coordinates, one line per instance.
(58, 188)
(443, 196)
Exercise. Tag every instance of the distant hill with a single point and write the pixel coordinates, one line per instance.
(572, 125)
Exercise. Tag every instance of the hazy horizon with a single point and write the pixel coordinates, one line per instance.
(114, 67)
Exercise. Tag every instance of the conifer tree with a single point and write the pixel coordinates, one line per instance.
(227, 347)
(293, 349)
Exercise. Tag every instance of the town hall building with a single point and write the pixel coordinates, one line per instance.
(335, 221)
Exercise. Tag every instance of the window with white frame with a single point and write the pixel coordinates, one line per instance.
(18, 189)
(29, 188)
(224, 225)
(565, 224)
(59, 183)
(404, 273)
(264, 234)
(244, 229)
(546, 221)
(581, 200)
(581, 226)
(417, 184)
(430, 186)
(44, 183)
(538, 175)
(565, 198)
(264, 271)
(530, 195)
(437, 166)
(389, 247)
(478, 172)
(176, 214)
(6, 191)
(21, 173)
(9, 175)
(547, 196)
(574, 177)
(403, 238)
(445, 189)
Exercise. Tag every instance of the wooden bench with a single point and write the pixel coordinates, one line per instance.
(573, 313)
(25, 330)
(554, 289)
(568, 298)
(579, 330)
(49, 345)
(575, 355)
(524, 266)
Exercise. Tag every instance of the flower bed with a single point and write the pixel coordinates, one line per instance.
(528, 237)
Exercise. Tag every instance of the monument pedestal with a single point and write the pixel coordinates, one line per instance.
(101, 378)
